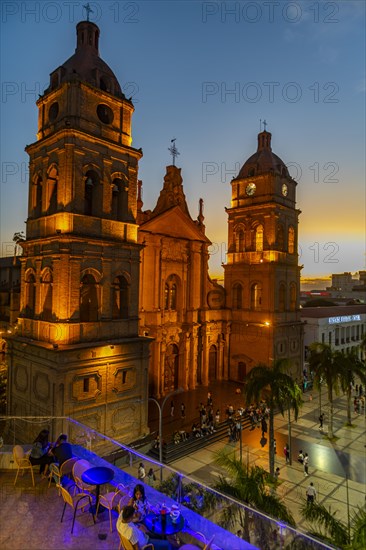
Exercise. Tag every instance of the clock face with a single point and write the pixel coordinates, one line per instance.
(284, 190)
(250, 189)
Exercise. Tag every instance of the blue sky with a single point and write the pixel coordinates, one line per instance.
(206, 73)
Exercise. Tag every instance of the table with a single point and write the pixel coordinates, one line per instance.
(98, 475)
(154, 524)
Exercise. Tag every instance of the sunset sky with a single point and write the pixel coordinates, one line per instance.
(205, 73)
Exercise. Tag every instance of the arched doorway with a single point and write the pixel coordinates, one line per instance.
(242, 371)
(171, 368)
(212, 364)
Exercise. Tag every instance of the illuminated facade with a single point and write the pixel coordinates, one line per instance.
(262, 275)
(180, 307)
(77, 351)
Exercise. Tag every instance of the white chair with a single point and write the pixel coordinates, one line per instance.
(79, 467)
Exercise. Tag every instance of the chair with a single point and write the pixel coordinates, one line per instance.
(59, 471)
(21, 459)
(75, 502)
(111, 500)
(78, 468)
(125, 544)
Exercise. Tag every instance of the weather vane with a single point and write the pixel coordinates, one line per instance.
(173, 150)
(88, 10)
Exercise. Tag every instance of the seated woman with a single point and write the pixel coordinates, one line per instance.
(139, 502)
(39, 453)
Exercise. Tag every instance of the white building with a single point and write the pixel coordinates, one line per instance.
(342, 327)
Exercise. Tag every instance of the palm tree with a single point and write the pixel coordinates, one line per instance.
(349, 366)
(279, 390)
(330, 529)
(250, 485)
(324, 368)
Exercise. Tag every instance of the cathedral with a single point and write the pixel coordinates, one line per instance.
(116, 301)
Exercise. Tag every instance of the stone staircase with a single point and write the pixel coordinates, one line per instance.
(172, 451)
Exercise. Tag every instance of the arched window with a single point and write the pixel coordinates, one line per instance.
(88, 299)
(170, 293)
(259, 238)
(237, 296)
(240, 241)
(280, 237)
(120, 297)
(282, 297)
(256, 296)
(293, 297)
(37, 196)
(291, 240)
(46, 295)
(119, 207)
(30, 295)
(90, 190)
(51, 185)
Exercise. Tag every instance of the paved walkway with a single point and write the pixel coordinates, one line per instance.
(330, 462)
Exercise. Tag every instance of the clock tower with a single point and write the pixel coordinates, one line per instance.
(77, 351)
(262, 275)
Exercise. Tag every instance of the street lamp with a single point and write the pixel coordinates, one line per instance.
(161, 408)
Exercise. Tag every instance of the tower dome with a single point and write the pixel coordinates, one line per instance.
(264, 160)
(86, 65)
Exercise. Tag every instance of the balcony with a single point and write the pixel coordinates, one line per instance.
(35, 512)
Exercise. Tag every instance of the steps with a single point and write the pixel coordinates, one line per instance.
(172, 451)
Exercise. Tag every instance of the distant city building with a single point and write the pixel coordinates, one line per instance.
(341, 327)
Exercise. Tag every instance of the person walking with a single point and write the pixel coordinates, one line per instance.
(306, 464)
(141, 471)
(321, 420)
(264, 426)
(286, 452)
(311, 492)
(172, 408)
(277, 474)
(183, 410)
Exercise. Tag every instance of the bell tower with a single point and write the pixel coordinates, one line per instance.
(77, 351)
(262, 275)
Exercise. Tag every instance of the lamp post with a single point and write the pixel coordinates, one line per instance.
(161, 408)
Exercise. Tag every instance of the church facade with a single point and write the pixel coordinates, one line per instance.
(116, 301)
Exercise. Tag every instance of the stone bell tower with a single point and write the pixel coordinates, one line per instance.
(77, 350)
(262, 275)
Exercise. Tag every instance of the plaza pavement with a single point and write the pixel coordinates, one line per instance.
(330, 461)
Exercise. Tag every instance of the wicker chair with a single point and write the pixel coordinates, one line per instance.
(22, 461)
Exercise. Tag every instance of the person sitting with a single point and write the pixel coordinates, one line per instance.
(62, 450)
(139, 502)
(39, 453)
(128, 529)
